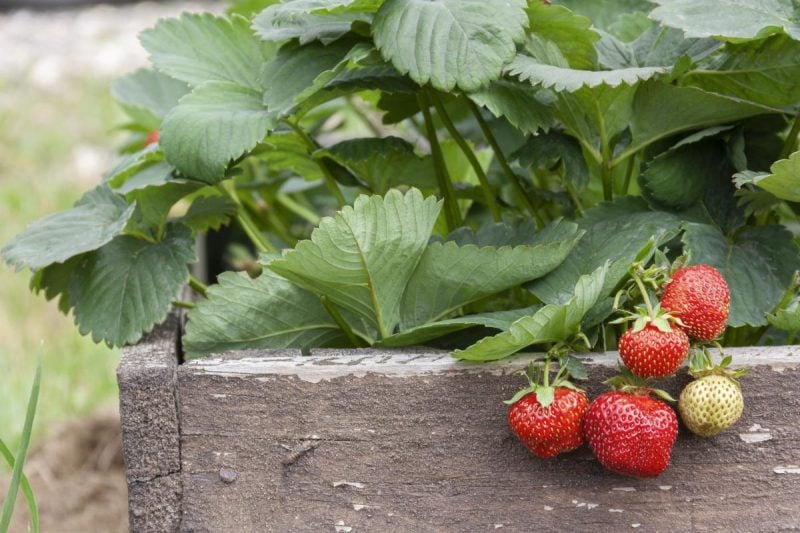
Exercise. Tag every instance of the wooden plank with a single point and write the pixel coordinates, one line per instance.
(150, 435)
(387, 441)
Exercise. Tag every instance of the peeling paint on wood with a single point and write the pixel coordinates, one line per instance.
(374, 440)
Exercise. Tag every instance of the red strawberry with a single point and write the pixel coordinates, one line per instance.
(699, 296)
(548, 431)
(631, 434)
(652, 352)
(152, 138)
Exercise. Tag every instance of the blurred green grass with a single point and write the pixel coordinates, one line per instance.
(44, 135)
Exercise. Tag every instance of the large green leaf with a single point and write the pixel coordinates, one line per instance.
(212, 125)
(148, 95)
(266, 312)
(421, 334)
(97, 218)
(299, 19)
(297, 72)
(383, 163)
(127, 286)
(547, 150)
(758, 263)
(503, 234)
(739, 19)
(571, 32)
(679, 177)
(765, 72)
(131, 164)
(605, 13)
(450, 43)
(783, 180)
(362, 258)
(787, 318)
(54, 280)
(197, 48)
(661, 110)
(564, 78)
(517, 102)
(209, 212)
(615, 232)
(449, 276)
(551, 323)
(655, 47)
(153, 203)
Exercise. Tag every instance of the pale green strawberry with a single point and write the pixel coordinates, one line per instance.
(711, 404)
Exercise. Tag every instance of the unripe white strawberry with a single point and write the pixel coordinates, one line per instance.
(711, 404)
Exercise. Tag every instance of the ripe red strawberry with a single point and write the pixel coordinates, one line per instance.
(631, 434)
(699, 296)
(548, 431)
(152, 137)
(652, 352)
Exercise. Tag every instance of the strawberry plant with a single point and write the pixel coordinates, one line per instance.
(473, 175)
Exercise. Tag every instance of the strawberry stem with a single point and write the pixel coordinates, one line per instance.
(645, 296)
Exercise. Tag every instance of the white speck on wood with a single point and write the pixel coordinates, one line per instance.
(752, 438)
(358, 506)
(615, 510)
(219, 395)
(757, 427)
(574, 501)
(665, 487)
(341, 528)
(354, 484)
(634, 526)
(624, 489)
(789, 469)
(498, 526)
(591, 506)
(582, 504)
(548, 508)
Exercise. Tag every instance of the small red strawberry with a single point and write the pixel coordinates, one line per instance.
(699, 296)
(152, 137)
(631, 433)
(652, 352)
(548, 419)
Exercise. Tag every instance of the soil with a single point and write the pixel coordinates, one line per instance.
(78, 478)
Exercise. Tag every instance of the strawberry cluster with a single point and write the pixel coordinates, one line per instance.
(630, 430)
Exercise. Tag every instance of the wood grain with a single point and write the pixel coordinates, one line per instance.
(388, 441)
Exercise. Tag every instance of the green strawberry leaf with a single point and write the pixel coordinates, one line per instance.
(362, 258)
(787, 318)
(197, 48)
(731, 19)
(517, 102)
(96, 218)
(126, 287)
(783, 179)
(450, 43)
(572, 33)
(551, 323)
(154, 202)
(450, 276)
(764, 72)
(147, 96)
(547, 150)
(215, 123)
(757, 262)
(605, 13)
(300, 20)
(266, 312)
(54, 281)
(131, 164)
(615, 233)
(421, 334)
(382, 163)
(209, 213)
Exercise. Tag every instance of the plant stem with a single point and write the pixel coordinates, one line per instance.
(645, 296)
(488, 194)
(576, 200)
(628, 175)
(341, 322)
(451, 211)
(300, 210)
(184, 305)
(790, 144)
(547, 371)
(198, 286)
(501, 159)
(363, 117)
(247, 223)
(330, 181)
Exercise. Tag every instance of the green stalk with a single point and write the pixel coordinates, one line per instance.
(790, 144)
(628, 175)
(25, 486)
(341, 322)
(298, 209)
(645, 297)
(330, 181)
(198, 286)
(452, 213)
(27, 428)
(358, 112)
(488, 194)
(183, 305)
(501, 159)
(576, 200)
(245, 221)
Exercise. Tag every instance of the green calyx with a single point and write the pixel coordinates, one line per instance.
(628, 383)
(701, 364)
(538, 376)
(642, 280)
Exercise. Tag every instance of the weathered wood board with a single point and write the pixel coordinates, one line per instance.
(413, 441)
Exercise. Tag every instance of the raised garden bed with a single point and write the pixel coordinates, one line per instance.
(370, 440)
